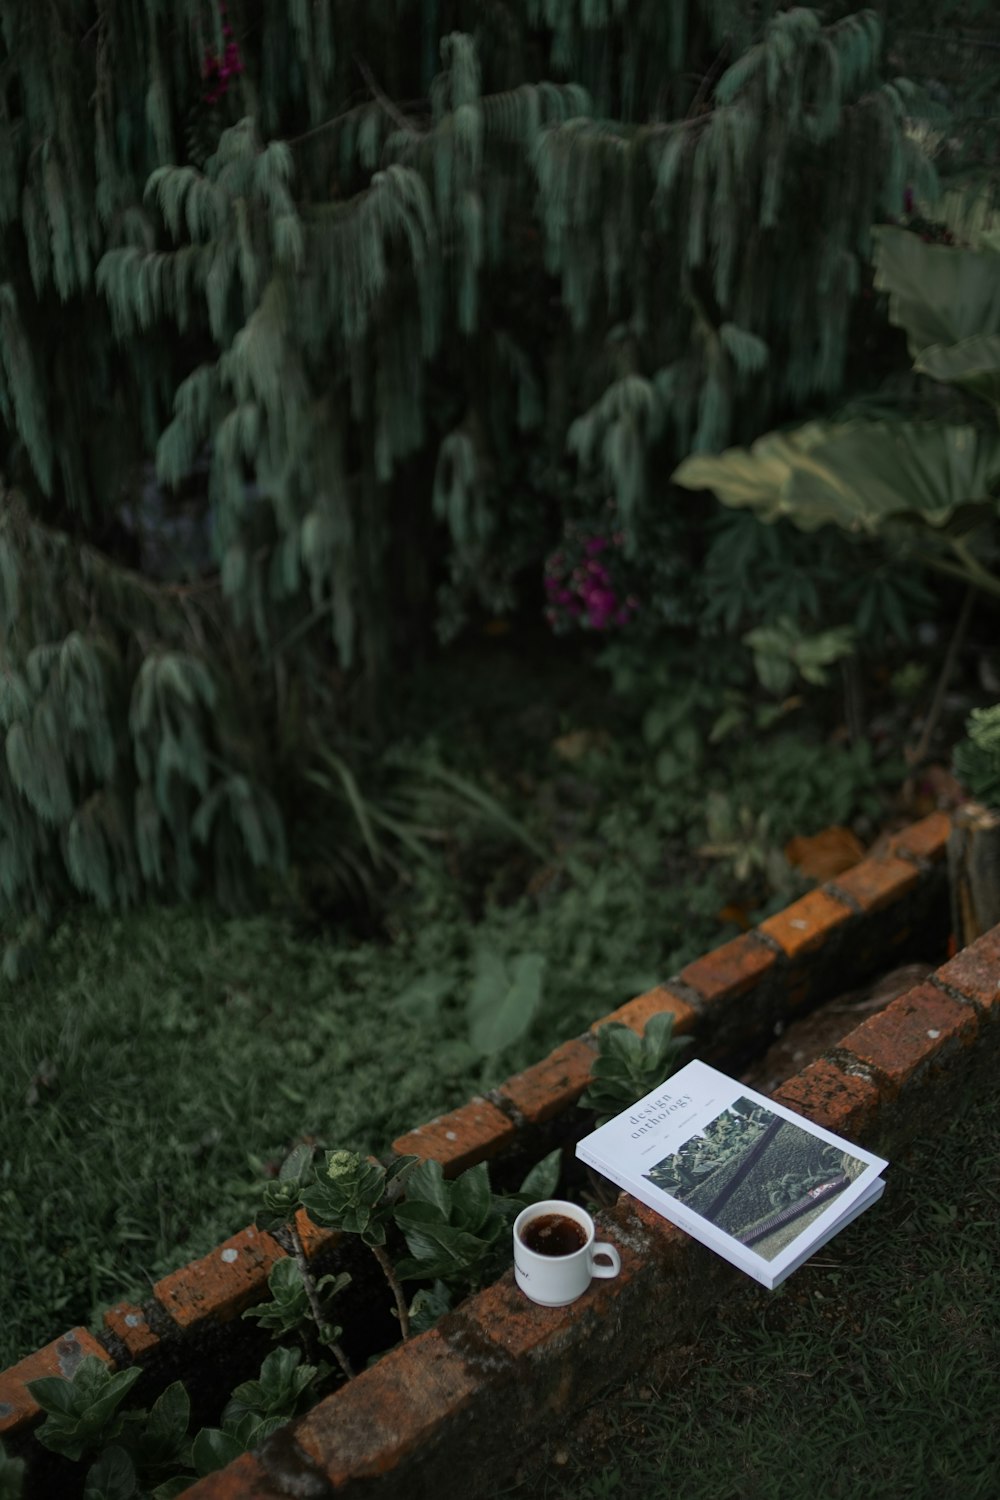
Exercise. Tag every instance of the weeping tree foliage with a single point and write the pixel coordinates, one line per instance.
(302, 302)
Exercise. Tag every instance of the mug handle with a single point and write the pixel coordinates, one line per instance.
(600, 1248)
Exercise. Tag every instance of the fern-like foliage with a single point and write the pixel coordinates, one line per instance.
(330, 287)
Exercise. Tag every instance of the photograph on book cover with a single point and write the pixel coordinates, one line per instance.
(756, 1176)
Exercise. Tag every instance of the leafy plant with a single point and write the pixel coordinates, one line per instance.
(83, 1412)
(354, 1194)
(351, 1193)
(977, 757)
(449, 1227)
(628, 1065)
(743, 840)
(256, 1409)
(782, 651)
(290, 1306)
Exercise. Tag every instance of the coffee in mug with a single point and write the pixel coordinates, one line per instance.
(554, 1234)
(555, 1252)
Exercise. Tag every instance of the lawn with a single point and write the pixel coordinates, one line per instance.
(872, 1371)
(158, 1064)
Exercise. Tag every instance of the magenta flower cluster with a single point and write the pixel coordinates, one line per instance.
(218, 72)
(579, 587)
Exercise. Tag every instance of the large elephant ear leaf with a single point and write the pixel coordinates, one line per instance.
(855, 475)
(938, 294)
(973, 364)
(752, 478)
(870, 473)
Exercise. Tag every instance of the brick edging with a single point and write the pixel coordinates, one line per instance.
(721, 999)
(456, 1406)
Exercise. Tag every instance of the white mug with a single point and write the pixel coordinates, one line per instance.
(555, 1280)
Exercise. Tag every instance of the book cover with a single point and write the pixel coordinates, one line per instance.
(755, 1182)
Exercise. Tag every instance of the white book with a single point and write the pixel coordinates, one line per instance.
(752, 1180)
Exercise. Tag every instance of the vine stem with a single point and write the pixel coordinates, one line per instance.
(313, 1299)
(397, 1290)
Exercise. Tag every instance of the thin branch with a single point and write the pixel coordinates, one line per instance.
(397, 1290)
(383, 98)
(919, 752)
(312, 1296)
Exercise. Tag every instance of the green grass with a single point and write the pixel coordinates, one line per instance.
(154, 1064)
(872, 1372)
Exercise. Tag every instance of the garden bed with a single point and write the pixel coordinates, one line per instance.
(502, 1364)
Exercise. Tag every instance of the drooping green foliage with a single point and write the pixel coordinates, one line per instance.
(298, 301)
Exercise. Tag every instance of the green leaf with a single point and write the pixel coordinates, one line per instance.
(471, 1198)
(169, 1489)
(860, 476)
(55, 1393)
(428, 1305)
(213, 1449)
(296, 1165)
(974, 364)
(111, 1478)
(543, 1179)
(494, 1028)
(165, 1431)
(426, 1184)
(937, 293)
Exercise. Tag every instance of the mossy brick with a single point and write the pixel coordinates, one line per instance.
(314, 1237)
(975, 973)
(460, 1139)
(730, 970)
(912, 1033)
(926, 840)
(221, 1284)
(877, 882)
(808, 924)
(128, 1324)
(845, 1103)
(244, 1479)
(372, 1424)
(61, 1357)
(635, 1013)
(553, 1085)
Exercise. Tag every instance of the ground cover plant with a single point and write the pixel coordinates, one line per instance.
(865, 1372)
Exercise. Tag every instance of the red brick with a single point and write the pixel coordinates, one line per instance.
(927, 839)
(638, 1011)
(838, 1101)
(504, 1316)
(128, 1323)
(222, 1283)
(912, 1032)
(730, 970)
(460, 1139)
(313, 1236)
(244, 1479)
(807, 924)
(61, 1357)
(367, 1427)
(975, 972)
(552, 1085)
(876, 882)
